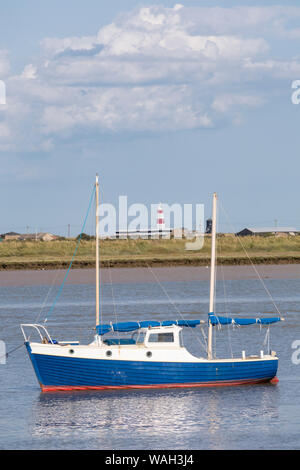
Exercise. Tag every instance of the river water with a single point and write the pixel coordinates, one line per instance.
(246, 417)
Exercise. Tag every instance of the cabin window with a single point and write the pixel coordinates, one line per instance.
(161, 338)
(139, 337)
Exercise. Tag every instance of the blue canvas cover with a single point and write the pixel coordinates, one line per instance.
(102, 329)
(219, 320)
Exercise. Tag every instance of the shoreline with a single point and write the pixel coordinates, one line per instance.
(143, 275)
(138, 253)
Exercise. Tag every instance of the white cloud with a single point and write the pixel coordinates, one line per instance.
(224, 103)
(280, 69)
(29, 71)
(4, 63)
(4, 131)
(55, 45)
(123, 109)
(152, 69)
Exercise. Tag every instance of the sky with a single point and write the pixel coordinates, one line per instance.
(168, 102)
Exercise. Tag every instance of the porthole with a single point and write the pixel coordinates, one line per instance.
(71, 351)
(149, 354)
(108, 353)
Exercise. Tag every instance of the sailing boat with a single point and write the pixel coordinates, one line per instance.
(154, 358)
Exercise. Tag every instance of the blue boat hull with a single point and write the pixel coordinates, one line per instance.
(70, 373)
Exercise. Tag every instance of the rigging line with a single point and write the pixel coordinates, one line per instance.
(161, 286)
(266, 341)
(48, 293)
(3, 328)
(253, 266)
(204, 337)
(46, 298)
(52, 285)
(149, 267)
(101, 290)
(171, 301)
(112, 292)
(226, 300)
(11, 351)
(75, 251)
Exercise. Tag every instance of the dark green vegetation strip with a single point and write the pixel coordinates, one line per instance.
(17, 255)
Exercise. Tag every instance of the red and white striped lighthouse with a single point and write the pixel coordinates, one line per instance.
(160, 222)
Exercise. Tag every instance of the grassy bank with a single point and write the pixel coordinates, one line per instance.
(117, 253)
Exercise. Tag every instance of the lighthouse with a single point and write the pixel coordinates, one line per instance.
(160, 222)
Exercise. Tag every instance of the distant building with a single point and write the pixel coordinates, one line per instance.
(29, 236)
(143, 233)
(251, 231)
(46, 237)
(10, 236)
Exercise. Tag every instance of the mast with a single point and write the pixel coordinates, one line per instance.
(97, 253)
(212, 274)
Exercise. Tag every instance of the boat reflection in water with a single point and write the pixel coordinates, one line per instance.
(156, 419)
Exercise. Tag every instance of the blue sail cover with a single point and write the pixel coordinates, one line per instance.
(217, 320)
(102, 329)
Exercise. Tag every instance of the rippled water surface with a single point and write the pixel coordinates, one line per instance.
(246, 417)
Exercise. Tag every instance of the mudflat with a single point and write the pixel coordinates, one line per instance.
(150, 274)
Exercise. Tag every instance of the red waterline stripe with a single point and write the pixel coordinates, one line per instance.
(56, 388)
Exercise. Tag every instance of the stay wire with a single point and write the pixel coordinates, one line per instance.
(47, 296)
(226, 300)
(11, 351)
(252, 264)
(166, 293)
(169, 298)
(112, 292)
(75, 251)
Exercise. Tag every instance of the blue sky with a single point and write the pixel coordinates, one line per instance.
(167, 101)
